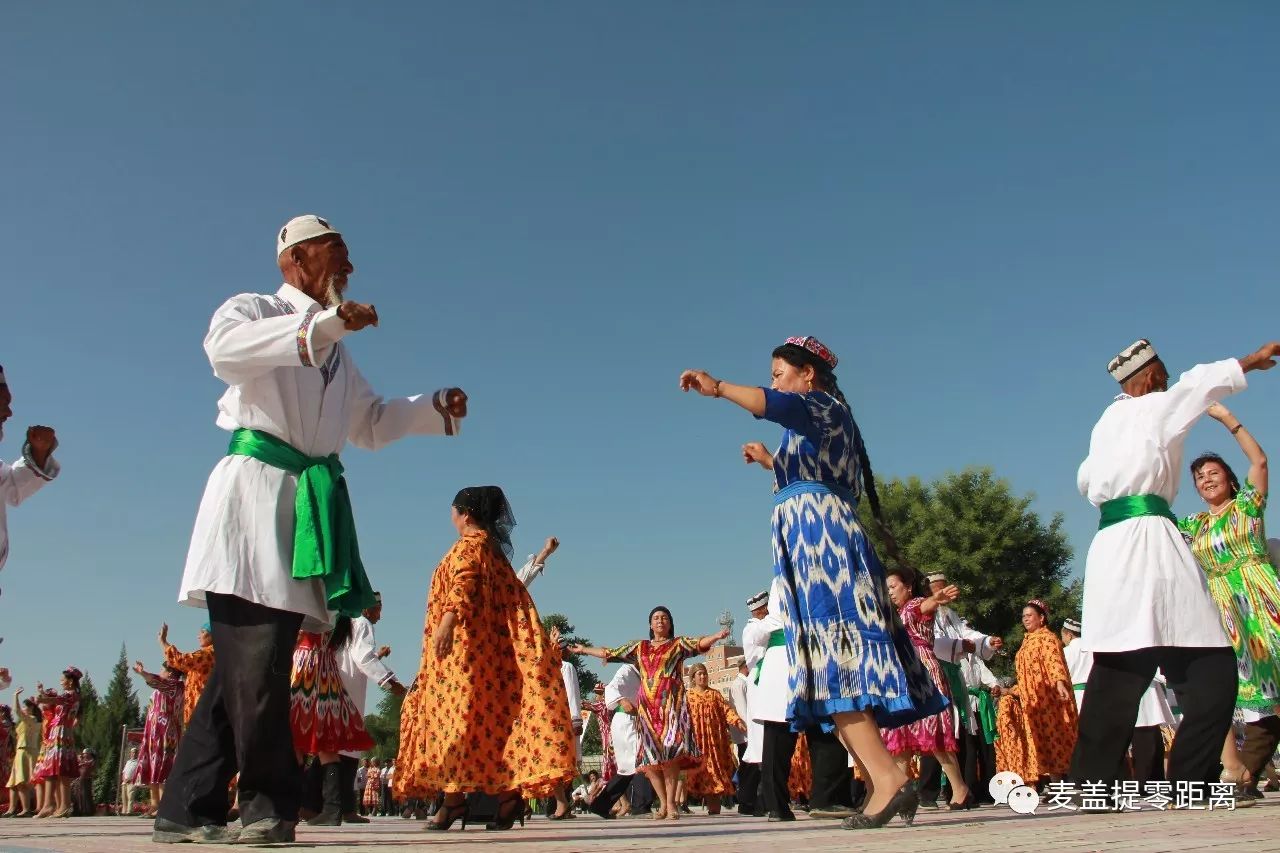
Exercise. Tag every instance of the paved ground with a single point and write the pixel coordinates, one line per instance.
(981, 831)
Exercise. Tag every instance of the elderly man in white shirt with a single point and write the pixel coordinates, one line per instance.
(274, 547)
(128, 782)
(359, 663)
(1146, 602)
(28, 475)
(621, 695)
(751, 744)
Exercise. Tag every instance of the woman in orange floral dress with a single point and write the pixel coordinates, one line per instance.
(197, 666)
(1037, 721)
(800, 778)
(711, 717)
(666, 737)
(480, 716)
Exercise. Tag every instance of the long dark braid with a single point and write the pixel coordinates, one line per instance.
(828, 378)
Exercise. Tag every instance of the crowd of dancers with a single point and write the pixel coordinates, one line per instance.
(861, 666)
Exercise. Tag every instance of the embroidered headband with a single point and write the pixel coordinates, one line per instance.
(1039, 605)
(73, 672)
(817, 347)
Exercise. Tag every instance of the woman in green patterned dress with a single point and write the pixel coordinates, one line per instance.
(1230, 543)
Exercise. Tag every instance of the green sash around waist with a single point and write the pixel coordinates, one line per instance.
(1077, 687)
(776, 638)
(986, 713)
(1134, 506)
(324, 539)
(956, 683)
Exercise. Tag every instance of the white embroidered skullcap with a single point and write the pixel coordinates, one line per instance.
(936, 577)
(1071, 625)
(301, 228)
(1132, 359)
(760, 599)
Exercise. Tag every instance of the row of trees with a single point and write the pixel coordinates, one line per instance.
(101, 721)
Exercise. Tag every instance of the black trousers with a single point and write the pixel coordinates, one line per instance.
(240, 723)
(978, 761)
(748, 783)
(779, 747)
(1148, 754)
(831, 771)
(1260, 742)
(348, 767)
(1204, 680)
(641, 794)
(930, 782)
(611, 793)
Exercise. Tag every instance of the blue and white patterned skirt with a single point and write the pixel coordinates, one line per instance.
(847, 649)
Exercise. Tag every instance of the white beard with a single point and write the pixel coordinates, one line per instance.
(332, 297)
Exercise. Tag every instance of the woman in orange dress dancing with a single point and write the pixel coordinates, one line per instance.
(480, 716)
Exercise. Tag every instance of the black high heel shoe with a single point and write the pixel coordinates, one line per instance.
(509, 811)
(904, 803)
(451, 813)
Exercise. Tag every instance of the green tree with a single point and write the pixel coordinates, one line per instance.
(587, 680)
(102, 721)
(988, 541)
(384, 727)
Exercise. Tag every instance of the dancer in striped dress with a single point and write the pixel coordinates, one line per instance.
(322, 716)
(666, 734)
(161, 732)
(852, 665)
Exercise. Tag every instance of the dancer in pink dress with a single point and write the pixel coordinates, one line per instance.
(935, 734)
(161, 732)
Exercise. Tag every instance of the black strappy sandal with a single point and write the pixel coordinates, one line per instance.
(509, 811)
(451, 813)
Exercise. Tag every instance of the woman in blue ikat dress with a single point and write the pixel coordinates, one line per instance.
(852, 665)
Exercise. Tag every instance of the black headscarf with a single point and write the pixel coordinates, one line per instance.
(488, 508)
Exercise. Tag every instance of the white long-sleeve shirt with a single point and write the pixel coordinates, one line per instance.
(18, 482)
(624, 730)
(1142, 586)
(741, 705)
(289, 375)
(949, 634)
(1079, 665)
(358, 664)
(529, 572)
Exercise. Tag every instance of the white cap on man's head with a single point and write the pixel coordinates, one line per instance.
(302, 228)
(1132, 359)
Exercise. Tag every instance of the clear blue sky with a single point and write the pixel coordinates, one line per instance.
(558, 207)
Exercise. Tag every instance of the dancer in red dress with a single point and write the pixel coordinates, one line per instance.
(936, 733)
(161, 731)
(58, 763)
(322, 716)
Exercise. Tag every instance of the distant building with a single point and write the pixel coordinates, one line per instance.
(722, 664)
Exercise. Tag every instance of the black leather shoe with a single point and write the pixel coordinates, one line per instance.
(781, 817)
(271, 830)
(169, 832)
